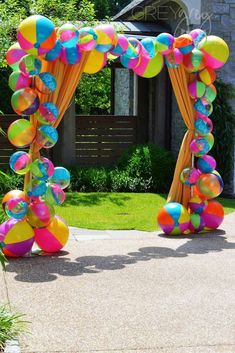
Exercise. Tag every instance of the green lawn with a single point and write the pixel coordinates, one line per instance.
(117, 210)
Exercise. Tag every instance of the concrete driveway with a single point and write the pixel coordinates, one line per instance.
(129, 291)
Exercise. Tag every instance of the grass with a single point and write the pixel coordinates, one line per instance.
(117, 210)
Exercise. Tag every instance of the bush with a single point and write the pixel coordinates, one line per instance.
(10, 181)
(153, 166)
(141, 168)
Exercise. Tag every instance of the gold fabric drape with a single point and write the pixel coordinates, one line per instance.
(179, 192)
(67, 78)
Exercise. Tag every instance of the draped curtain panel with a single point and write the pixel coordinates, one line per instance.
(67, 77)
(180, 79)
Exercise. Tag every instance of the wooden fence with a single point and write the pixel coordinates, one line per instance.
(99, 140)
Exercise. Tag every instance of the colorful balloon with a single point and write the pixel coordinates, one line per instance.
(198, 36)
(36, 35)
(200, 146)
(165, 42)
(47, 113)
(45, 83)
(30, 65)
(203, 126)
(149, 67)
(19, 80)
(206, 164)
(150, 45)
(87, 39)
(61, 177)
(54, 237)
(21, 133)
(189, 176)
(210, 185)
(216, 51)
(54, 53)
(16, 208)
(25, 101)
(134, 49)
(20, 162)
(40, 214)
(184, 43)
(194, 61)
(13, 194)
(196, 89)
(95, 62)
(14, 55)
(207, 76)
(210, 93)
(174, 58)
(197, 204)
(106, 37)
(202, 107)
(213, 215)
(173, 219)
(71, 56)
(196, 224)
(47, 136)
(18, 237)
(54, 195)
(68, 35)
(129, 63)
(42, 168)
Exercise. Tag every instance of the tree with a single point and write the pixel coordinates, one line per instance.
(101, 9)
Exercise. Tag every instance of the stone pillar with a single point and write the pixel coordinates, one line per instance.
(64, 152)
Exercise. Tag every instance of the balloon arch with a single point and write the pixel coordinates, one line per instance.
(47, 65)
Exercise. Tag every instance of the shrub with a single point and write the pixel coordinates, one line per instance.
(11, 325)
(90, 179)
(10, 181)
(150, 164)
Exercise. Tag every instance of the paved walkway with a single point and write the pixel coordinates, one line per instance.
(129, 291)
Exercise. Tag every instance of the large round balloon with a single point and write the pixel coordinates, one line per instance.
(18, 80)
(68, 34)
(20, 162)
(18, 237)
(53, 237)
(95, 62)
(213, 215)
(16, 208)
(61, 177)
(210, 185)
(42, 168)
(13, 194)
(36, 35)
(206, 164)
(21, 133)
(47, 136)
(148, 67)
(106, 37)
(25, 101)
(216, 51)
(40, 214)
(45, 83)
(47, 113)
(14, 55)
(173, 219)
(165, 42)
(30, 65)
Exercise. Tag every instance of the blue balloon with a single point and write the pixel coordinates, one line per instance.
(60, 177)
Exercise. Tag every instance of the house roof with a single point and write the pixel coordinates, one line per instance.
(140, 29)
(127, 10)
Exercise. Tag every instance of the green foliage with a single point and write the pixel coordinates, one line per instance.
(101, 8)
(223, 118)
(142, 168)
(12, 325)
(10, 181)
(93, 93)
(86, 11)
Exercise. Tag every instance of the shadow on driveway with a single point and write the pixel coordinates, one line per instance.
(48, 268)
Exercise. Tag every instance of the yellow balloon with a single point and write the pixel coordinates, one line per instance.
(95, 62)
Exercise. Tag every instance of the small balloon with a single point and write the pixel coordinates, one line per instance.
(47, 136)
(71, 56)
(87, 39)
(61, 177)
(16, 208)
(36, 189)
(20, 162)
(40, 214)
(14, 54)
(19, 80)
(42, 168)
(45, 83)
(189, 176)
(54, 53)
(25, 101)
(47, 113)
(54, 195)
(68, 35)
(30, 65)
